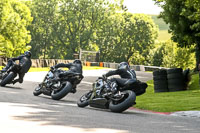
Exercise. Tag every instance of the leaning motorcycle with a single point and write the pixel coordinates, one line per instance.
(108, 95)
(58, 86)
(8, 76)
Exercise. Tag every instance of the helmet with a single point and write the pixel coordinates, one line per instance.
(77, 61)
(123, 65)
(27, 53)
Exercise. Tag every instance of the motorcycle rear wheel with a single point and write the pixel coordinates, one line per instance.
(8, 78)
(125, 103)
(37, 91)
(62, 93)
(83, 101)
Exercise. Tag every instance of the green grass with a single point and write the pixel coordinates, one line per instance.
(160, 22)
(163, 35)
(33, 69)
(47, 68)
(171, 101)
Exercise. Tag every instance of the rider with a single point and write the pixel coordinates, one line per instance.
(24, 63)
(126, 74)
(75, 67)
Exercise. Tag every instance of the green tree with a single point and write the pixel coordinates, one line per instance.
(15, 17)
(168, 54)
(82, 21)
(183, 19)
(61, 27)
(43, 40)
(127, 37)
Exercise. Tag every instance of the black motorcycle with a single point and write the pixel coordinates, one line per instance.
(58, 86)
(108, 95)
(8, 76)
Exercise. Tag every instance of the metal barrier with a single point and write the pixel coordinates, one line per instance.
(52, 62)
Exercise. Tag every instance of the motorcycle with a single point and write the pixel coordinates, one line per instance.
(106, 94)
(8, 76)
(58, 86)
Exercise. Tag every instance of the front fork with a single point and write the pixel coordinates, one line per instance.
(3, 75)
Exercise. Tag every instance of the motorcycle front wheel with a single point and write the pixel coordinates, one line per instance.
(83, 101)
(37, 91)
(57, 95)
(8, 79)
(127, 100)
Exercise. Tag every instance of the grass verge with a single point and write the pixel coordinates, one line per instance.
(171, 101)
(47, 68)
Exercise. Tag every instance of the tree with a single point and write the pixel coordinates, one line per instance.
(79, 21)
(145, 34)
(127, 37)
(82, 21)
(61, 27)
(43, 40)
(14, 20)
(183, 19)
(168, 55)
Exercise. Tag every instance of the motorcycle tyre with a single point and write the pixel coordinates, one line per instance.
(63, 92)
(85, 103)
(8, 78)
(128, 102)
(37, 92)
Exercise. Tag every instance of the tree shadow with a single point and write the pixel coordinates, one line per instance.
(13, 87)
(64, 112)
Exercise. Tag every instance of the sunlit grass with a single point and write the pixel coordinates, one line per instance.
(171, 101)
(163, 35)
(47, 68)
(38, 69)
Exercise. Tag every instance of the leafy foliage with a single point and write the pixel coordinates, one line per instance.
(168, 54)
(44, 13)
(127, 37)
(62, 27)
(183, 19)
(14, 19)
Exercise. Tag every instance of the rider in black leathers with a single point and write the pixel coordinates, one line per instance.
(126, 74)
(75, 67)
(24, 63)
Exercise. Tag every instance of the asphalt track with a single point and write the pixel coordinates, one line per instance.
(22, 112)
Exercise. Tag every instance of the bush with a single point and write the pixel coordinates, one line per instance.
(168, 54)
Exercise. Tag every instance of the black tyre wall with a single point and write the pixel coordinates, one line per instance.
(160, 80)
(175, 79)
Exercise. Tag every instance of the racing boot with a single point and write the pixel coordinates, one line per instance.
(73, 90)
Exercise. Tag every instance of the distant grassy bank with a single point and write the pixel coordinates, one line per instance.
(163, 34)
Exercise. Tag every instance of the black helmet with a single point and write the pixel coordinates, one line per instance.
(123, 65)
(27, 53)
(77, 61)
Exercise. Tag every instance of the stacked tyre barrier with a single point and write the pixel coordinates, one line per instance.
(160, 80)
(174, 79)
